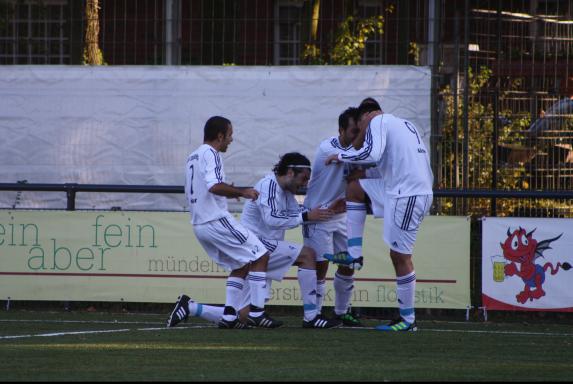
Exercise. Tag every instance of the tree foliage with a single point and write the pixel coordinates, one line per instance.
(349, 43)
(510, 175)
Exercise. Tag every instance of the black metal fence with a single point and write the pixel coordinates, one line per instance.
(502, 88)
(556, 199)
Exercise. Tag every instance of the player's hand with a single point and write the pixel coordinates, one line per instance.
(250, 193)
(319, 214)
(364, 122)
(338, 206)
(332, 159)
(236, 198)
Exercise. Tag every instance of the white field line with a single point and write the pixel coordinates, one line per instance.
(498, 332)
(53, 334)
(199, 326)
(520, 333)
(77, 321)
(62, 334)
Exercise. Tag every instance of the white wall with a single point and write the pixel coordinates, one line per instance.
(136, 125)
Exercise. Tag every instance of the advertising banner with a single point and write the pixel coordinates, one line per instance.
(154, 256)
(526, 264)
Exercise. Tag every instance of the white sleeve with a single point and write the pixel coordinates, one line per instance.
(213, 168)
(373, 147)
(275, 215)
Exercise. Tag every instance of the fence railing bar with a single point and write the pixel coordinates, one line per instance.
(71, 189)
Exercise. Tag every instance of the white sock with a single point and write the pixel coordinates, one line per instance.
(258, 286)
(406, 291)
(234, 296)
(320, 292)
(343, 287)
(355, 219)
(307, 282)
(208, 312)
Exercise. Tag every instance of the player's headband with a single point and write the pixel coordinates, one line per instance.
(299, 166)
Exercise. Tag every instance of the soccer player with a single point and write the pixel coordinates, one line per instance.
(327, 185)
(402, 195)
(277, 210)
(225, 240)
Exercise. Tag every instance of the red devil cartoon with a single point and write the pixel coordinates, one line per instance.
(520, 248)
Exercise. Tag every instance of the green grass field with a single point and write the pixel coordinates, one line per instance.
(80, 346)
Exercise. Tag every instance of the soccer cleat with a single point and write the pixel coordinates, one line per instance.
(398, 325)
(263, 321)
(233, 324)
(344, 258)
(321, 322)
(348, 320)
(180, 312)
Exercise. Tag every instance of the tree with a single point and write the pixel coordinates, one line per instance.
(92, 54)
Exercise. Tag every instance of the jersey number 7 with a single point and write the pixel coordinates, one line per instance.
(191, 183)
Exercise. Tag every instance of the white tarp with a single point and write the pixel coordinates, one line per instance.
(136, 125)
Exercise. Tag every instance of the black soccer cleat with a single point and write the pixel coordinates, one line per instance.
(180, 312)
(263, 321)
(321, 322)
(232, 324)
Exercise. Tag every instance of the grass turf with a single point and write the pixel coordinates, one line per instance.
(137, 347)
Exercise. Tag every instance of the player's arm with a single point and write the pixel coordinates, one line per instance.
(226, 190)
(273, 212)
(278, 216)
(213, 175)
(371, 151)
(363, 125)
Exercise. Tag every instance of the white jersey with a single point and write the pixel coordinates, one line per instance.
(401, 156)
(275, 210)
(326, 181)
(204, 170)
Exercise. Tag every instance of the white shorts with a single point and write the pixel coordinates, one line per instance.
(283, 255)
(374, 188)
(327, 237)
(229, 243)
(402, 220)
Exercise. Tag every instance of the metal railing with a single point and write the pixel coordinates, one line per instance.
(71, 189)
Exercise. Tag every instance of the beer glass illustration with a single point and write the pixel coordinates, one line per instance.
(498, 262)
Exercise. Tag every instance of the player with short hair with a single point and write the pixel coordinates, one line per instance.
(225, 240)
(327, 185)
(402, 195)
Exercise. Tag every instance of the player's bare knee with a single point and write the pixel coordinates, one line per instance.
(321, 269)
(402, 262)
(241, 272)
(260, 265)
(306, 258)
(354, 192)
